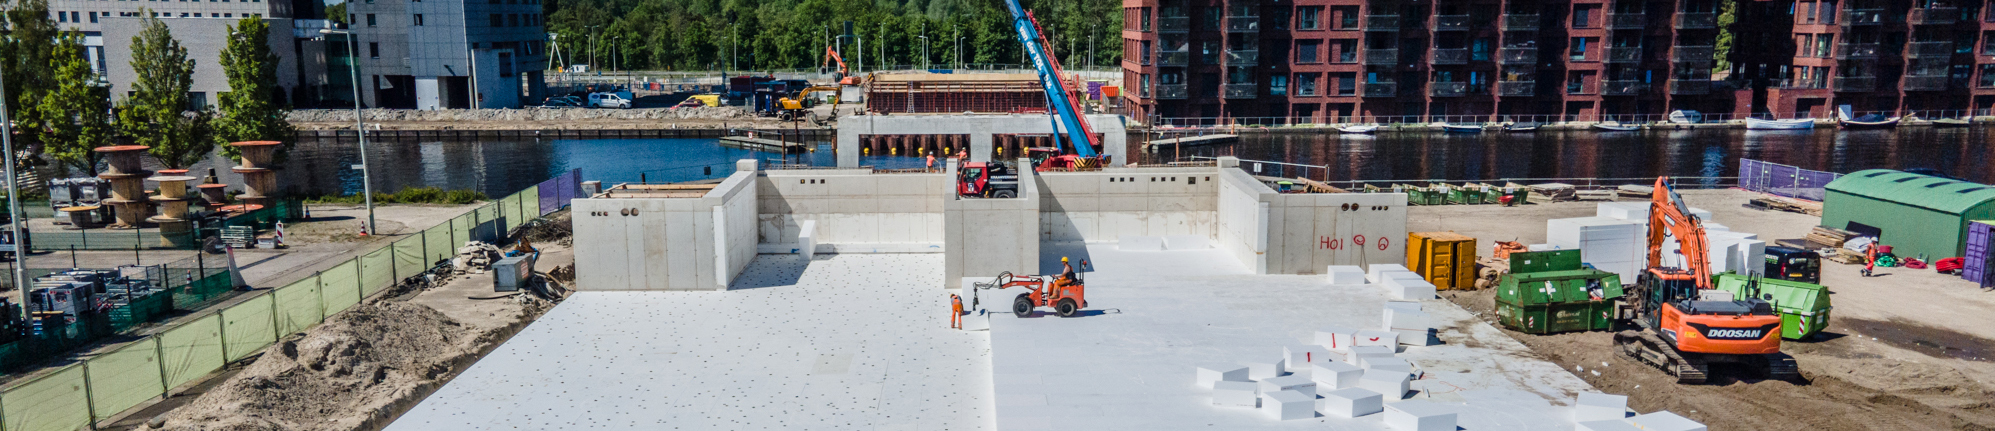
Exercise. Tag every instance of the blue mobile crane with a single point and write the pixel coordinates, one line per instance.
(1066, 112)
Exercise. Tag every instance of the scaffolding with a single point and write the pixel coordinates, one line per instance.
(981, 93)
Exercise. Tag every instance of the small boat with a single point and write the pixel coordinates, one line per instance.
(1951, 122)
(1792, 124)
(1868, 121)
(1461, 128)
(1367, 128)
(1684, 116)
(1614, 126)
(1521, 127)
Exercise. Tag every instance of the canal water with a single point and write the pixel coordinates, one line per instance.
(498, 167)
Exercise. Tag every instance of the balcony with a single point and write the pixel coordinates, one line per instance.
(1517, 55)
(1243, 57)
(1924, 83)
(1856, 51)
(1447, 89)
(1853, 84)
(1626, 21)
(1933, 16)
(1861, 17)
(1451, 56)
(1381, 22)
(1243, 24)
(1624, 54)
(1622, 88)
(1689, 87)
(1930, 50)
(1515, 22)
(1382, 89)
(1382, 56)
(1174, 24)
(1173, 58)
(1691, 54)
(1517, 88)
(1241, 91)
(1696, 20)
(1451, 23)
(1171, 92)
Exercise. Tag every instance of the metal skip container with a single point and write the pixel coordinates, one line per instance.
(512, 273)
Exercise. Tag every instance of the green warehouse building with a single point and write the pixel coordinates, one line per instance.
(1914, 214)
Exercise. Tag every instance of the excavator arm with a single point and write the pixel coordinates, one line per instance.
(1668, 215)
(831, 56)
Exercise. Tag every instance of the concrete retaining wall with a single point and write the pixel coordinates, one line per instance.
(1241, 218)
(663, 243)
(735, 222)
(1104, 206)
(1274, 233)
(984, 237)
(853, 206)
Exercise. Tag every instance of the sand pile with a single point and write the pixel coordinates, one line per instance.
(356, 371)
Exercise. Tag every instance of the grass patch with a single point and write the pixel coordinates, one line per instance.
(408, 195)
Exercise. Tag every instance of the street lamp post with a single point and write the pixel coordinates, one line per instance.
(924, 52)
(959, 52)
(1091, 29)
(13, 197)
(592, 49)
(359, 126)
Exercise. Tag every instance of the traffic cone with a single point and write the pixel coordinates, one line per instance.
(363, 228)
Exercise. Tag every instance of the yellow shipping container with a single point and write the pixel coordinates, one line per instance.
(1446, 259)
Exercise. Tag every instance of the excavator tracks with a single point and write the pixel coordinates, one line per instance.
(1646, 347)
(1780, 366)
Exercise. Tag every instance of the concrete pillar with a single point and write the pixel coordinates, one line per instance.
(980, 147)
(848, 140)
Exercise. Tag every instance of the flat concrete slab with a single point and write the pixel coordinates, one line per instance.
(848, 342)
(1128, 361)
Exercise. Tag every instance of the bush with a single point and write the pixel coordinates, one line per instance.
(408, 195)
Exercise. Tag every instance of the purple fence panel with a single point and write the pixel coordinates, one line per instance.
(1980, 240)
(1783, 180)
(555, 193)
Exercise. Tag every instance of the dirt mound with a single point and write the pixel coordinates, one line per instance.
(356, 371)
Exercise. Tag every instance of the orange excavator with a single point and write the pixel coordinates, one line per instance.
(1682, 324)
(830, 56)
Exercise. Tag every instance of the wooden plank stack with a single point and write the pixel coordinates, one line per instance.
(1829, 237)
(1789, 205)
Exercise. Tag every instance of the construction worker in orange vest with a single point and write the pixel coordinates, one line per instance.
(955, 311)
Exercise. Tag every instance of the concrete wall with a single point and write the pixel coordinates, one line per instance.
(1106, 205)
(666, 244)
(979, 127)
(1241, 218)
(853, 206)
(984, 237)
(1273, 233)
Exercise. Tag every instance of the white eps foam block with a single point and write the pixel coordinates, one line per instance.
(1350, 403)
(1638, 211)
(1240, 394)
(1334, 375)
(1419, 416)
(1709, 226)
(1359, 353)
(1263, 368)
(977, 322)
(1214, 373)
(1140, 243)
(1387, 364)
(1412, 326)
(1289, 405)
(1377, 270)
(1377, 338)
(1410, 289)
(1297, 357)
(1392, 384)
(1605, 426)
(1336, 338)
(1595, 406)
(1702, 214)
(1290, 383)
(1665, 421)
(1346, 274)
(1186, 242)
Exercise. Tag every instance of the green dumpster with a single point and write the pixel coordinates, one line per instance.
(1534, 288)
(1557, 317)
(1803, 307)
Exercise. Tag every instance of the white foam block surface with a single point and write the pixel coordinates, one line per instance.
(1140, 243)
(1595, 406)
(1376, 272)
(1238, 394)
(1186, 242)
(1336, 338)
(1359, 353)
(1413, 289)
(1614, 425)
(1350, 403)
(1289, 405)
(1218, 372)
(1392, 384)
(1289, 383)
(1334, 375)
(1258, 369)
(1370, 337)
(1665, 421)
(1419, 416)
(977, 322)
(1346, 274)
(1623, 210)
(1388, 364)
(1296, 357)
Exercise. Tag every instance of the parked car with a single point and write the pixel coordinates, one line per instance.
(609, 100)
(562, 102)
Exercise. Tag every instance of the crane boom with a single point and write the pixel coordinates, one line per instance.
(1067, 117)
(1667, 211)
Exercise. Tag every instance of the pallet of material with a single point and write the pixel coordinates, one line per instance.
(1829, 236)
(1552, 191)
(1594, 195)
(1784, 204)
(1635, 191)
(1315, 186)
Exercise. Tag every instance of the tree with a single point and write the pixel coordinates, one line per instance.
(74, 117)
(337, 13)
(156, 114)
(249, 111)
(24, 57)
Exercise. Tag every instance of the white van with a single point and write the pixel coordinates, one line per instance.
(609, 100)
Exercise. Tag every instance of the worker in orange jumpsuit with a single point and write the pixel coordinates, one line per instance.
(955, 311)
(1870, 258)
(931, 162)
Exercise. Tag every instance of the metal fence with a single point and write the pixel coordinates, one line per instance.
(188, 284)
(556, 192)
(78, 395)
(1783, 180)
(153, 239)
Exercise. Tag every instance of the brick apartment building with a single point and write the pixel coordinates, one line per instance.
(1331, 61)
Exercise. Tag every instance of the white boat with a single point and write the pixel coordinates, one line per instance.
(1793, 124)
(1614, 126)
(1461, 128)
(1684, 116)
(1368, 128)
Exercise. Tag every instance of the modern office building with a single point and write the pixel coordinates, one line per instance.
(414, 53)
(1330, 61)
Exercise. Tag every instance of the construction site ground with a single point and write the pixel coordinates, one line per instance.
(1908, 349)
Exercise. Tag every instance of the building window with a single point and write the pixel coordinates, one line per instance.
(197, 101)
(1987, 76)
(1347, 83)
(1579, 45)
(1309, 18)
(1582, 15)
(514, 18)
(1146, 19)
(498, 20)
(374, 50)
(370, 20)
(1347, 17)
(93, 17)
(1278, 85)
(1305, 51)
(419, 20)
(1347, 50)
(1305, 84)
(61, 16)
(1144, 86)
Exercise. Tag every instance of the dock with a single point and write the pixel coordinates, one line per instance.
(764, 145)
(1193, 141)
